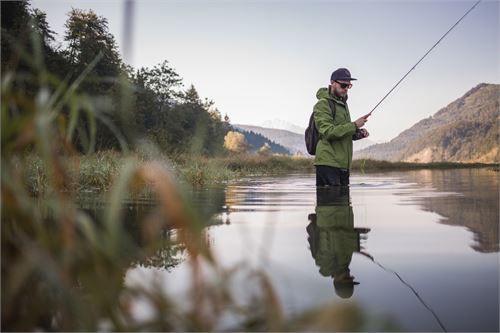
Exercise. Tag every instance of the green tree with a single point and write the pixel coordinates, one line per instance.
(87, 35)
(163, 81)
(88, 38)
(25, 30)
(15, 32)
(209, 129)
(178, 121)
(157, 91)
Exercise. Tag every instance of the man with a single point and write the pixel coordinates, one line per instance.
(334, 149)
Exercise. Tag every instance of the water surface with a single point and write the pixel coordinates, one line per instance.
(422, 245)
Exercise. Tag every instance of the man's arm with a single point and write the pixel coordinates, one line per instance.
(325, 125)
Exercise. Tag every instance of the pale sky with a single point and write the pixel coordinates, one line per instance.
(263, 60)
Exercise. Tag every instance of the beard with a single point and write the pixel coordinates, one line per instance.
(340, 94)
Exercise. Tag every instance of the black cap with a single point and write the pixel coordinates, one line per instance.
(342, 74)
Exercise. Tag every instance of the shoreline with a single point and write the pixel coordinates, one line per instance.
(97, 172)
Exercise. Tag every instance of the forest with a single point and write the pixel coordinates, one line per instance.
(118, 107)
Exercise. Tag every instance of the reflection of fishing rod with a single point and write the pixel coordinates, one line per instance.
(409, 286)
(440, 39)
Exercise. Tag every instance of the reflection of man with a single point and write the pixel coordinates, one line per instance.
(333, 238)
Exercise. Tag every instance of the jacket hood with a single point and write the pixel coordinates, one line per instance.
(322, 93)
(325, 93)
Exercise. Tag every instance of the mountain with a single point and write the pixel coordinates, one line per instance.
(466, 130)
(294, 142)
(256, 141)
(362, 144)
(282, 124)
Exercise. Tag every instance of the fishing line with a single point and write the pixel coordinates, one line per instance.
(440, 39)
(394, 87)
(414, 291)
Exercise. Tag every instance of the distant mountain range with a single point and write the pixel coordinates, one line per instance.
(256, 140)
(284, 125)
(294, 142)
(464, 131)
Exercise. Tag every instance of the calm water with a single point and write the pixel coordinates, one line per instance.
(422, 245)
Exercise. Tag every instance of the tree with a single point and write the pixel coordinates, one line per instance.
(178, 121)
(41, 27)
(54, 59)
(87, 35)
(209, 129)
(15, 32)
(23, 30)
(162, 80)
(235, 142)
(265, 150)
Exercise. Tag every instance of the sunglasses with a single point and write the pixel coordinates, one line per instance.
(345, 85)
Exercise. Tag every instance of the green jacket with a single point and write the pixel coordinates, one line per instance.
(337, 239)
(335, 144)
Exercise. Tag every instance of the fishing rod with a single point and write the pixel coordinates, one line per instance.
(418, 62)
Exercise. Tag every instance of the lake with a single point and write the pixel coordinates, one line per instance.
(422, 246)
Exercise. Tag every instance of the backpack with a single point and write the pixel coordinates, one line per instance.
(313, 234)
(311, 134)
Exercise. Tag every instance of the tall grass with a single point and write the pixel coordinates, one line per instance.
(369, 165)
(63, 270)
(95, 172)
(209, 170)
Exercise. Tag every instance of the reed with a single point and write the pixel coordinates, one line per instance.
(369, 165)
(262, 165)
(62, 268)
(95, 172)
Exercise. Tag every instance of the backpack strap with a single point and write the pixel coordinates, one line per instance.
(332, 107)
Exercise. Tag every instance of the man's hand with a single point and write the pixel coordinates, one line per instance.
(364, 132)
(360, 122)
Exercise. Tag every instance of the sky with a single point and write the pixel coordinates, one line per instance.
(265, 60)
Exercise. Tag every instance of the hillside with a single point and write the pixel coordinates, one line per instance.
(257, 140)
(292, 141)
(464, 131)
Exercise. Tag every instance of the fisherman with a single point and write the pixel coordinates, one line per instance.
(334, 149)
